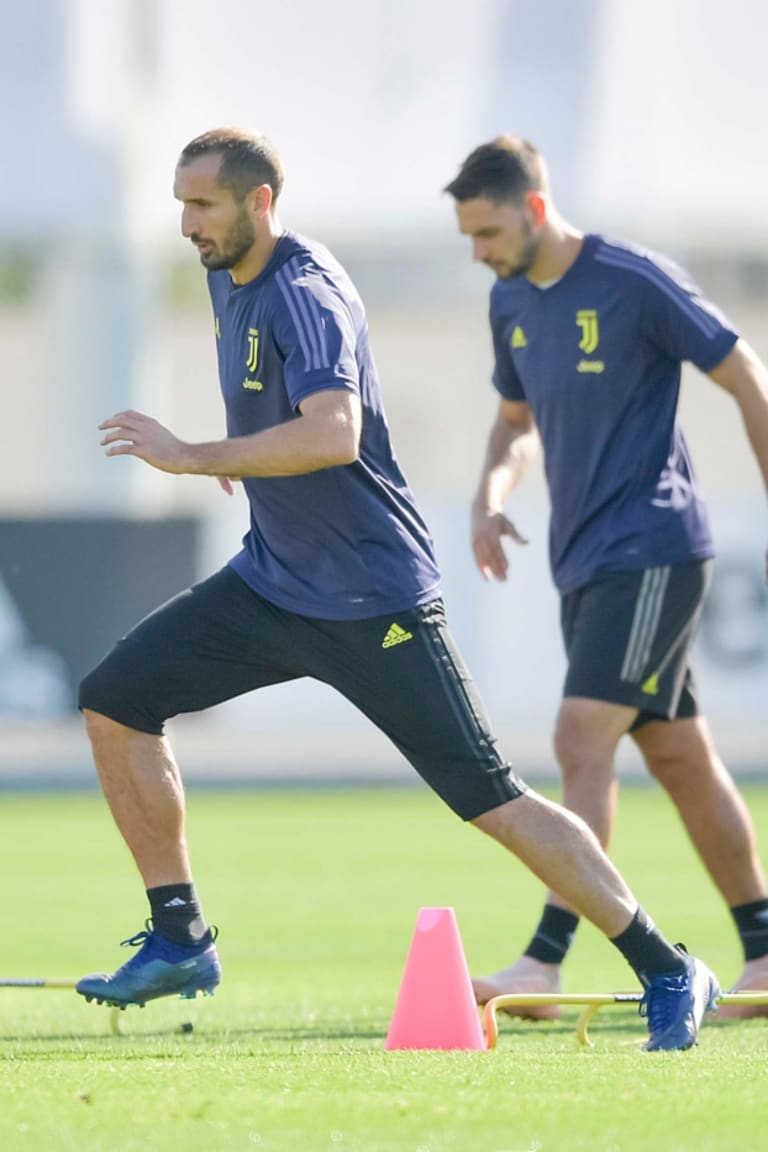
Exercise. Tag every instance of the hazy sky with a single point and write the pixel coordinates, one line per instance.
(650, 111)
(371, 104)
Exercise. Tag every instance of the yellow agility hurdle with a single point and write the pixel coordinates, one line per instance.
(591, 1003)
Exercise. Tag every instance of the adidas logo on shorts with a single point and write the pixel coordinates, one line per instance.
(396, 635)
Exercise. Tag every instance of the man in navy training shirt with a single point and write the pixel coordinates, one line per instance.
(336, 580)
(589, 336)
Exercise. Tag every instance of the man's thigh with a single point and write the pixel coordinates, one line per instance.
(405, 673)
(212, 642)
(628, 638)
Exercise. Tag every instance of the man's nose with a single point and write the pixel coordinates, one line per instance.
(187, 222)
(479, 250)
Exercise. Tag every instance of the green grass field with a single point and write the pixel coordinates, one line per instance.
(316, 896)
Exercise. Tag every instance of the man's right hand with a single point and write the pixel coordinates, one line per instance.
(488, 528)
(225, 483)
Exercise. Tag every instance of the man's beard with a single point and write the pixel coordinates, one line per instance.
(527, 257)
(234, 248)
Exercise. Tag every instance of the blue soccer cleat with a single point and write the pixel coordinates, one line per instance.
(159, 968)
(675, 1006)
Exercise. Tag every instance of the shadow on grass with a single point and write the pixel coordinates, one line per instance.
(608, 1024)
(201, 1035)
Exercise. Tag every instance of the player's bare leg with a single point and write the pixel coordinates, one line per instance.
(585, 742)
(562, 851)
(682, 756)
(143, 787)
(177, 953)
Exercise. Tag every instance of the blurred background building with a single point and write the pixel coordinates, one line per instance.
(652, 133)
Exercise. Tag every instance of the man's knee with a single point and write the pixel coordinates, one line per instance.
(498, 820)
(677, 752)
(587, 733)
(99, 725)
(575, 750)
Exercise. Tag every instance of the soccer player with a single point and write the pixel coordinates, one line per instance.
(589, 336)
(336, 580)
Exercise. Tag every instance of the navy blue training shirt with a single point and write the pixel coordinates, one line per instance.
(598, 356)
(342, 543)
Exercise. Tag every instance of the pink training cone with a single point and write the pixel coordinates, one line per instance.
(435, 1005)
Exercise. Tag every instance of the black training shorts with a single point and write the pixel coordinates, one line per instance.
(628, 638)
(220, 639)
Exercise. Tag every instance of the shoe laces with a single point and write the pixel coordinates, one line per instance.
(139, 938)
(146, 934)
(142, 940)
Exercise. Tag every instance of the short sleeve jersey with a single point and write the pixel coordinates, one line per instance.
(341, 543)
(597, 355)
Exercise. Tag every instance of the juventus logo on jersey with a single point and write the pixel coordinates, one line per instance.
(253, 349)
(586, 318)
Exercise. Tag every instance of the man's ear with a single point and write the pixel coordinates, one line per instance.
(259, 200)
(538, 207)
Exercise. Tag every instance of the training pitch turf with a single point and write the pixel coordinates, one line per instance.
(316, 896)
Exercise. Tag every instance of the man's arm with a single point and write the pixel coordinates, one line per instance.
(326, 434)
(744, 375)
(512, 444)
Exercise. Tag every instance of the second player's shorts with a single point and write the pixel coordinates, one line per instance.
(220, 639)
(628, 639)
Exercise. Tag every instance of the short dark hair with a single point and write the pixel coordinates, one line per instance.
(248, 159)
(502, 170)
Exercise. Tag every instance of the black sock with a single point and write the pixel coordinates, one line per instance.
(752, 925)
(553, 935)
(646, 950)
(176, 913)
